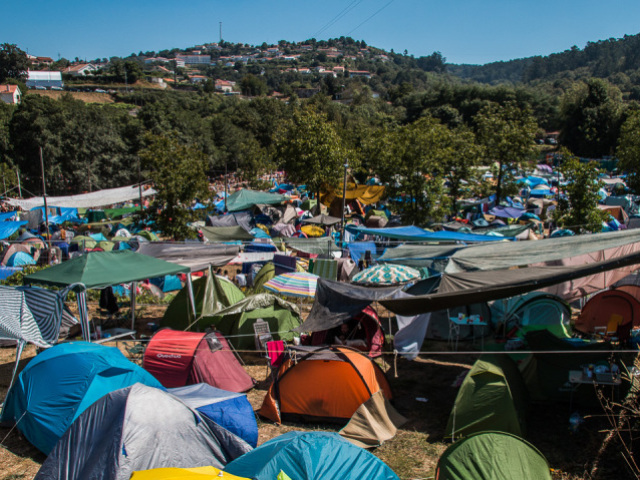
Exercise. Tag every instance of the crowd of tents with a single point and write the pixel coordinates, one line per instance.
(86, 406)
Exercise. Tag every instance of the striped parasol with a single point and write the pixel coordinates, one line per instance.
(294, 284)
(386, 274)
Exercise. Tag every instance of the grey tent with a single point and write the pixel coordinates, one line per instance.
(196, 256)
(120, 434)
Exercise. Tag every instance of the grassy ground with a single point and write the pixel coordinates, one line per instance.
(414, 451)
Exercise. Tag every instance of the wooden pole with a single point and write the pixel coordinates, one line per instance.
(44, 197)
(19, 186)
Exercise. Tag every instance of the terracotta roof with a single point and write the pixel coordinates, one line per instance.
(8, 88)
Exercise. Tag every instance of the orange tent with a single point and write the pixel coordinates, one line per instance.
(609, 306)
(323, 384)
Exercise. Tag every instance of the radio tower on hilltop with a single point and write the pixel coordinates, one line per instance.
(220, 32)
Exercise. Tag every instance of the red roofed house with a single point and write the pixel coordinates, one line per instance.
(80, 69)
(224, 85)
(10, 94)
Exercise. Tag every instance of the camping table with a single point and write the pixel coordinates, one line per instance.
(455, 323)
(579, 377)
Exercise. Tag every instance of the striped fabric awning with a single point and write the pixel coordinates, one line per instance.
(294, 284)
(32, 315)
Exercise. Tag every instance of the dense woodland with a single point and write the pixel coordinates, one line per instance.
(414, 115)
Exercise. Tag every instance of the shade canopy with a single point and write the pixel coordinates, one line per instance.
(386, 274)
(323, 219)
(102, 269)
(196, 256)
(245, 199)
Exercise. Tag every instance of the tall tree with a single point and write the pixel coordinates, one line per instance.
(578, 207)
(13, 62)
(628, 151)
(411, 161)
(461, 154)
(179, 174)
(310, 150)
(507, 134)
(591, 114)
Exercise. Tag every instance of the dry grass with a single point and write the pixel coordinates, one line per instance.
(87, 97)
(412, 454)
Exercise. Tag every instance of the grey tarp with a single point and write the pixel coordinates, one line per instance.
(476, 287)
(120, 434)
(225, 234)
(495, 256)
(323, 219)
(434, 257)
(242, 219)
(314, 246)
(336, 302)
(196, 256)
(373, 423)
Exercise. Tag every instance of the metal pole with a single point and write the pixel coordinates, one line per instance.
(344, 198)
(44, 197)
(19, 186)
(139, 185)
(225, 186)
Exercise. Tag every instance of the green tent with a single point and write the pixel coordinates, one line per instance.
(245, 199)
(84, 241)
(492, 397)
(211, 294)
(236, 322)
(225, 234)
(492, 456)
(266, 273)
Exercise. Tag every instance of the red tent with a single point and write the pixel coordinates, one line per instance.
(599, 310)
(179, 358)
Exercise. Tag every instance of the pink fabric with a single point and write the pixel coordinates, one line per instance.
(275, 350)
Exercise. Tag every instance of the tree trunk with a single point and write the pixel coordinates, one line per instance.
(499, 186)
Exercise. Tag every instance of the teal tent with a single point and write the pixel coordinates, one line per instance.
(532, 311)
(245, 199)
(492, 456)
(310, 456)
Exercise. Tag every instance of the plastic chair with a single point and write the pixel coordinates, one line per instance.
(262, 334)
(623, 334)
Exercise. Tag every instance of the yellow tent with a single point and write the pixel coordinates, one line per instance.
(198, 473)
(365, 194)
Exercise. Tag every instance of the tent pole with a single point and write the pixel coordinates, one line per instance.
(192, 300)
(19, 348)
(133, 305)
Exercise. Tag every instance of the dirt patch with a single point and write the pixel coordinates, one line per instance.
(87, 97)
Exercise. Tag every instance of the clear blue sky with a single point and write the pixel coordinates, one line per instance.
(464, 31)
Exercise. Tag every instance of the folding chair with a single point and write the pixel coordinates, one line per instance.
(262, 334)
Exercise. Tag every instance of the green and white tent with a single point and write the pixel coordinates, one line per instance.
(492, 456)
(211, 294)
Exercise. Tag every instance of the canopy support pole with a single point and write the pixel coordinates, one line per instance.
(133, 305)
(192, 300)
(19, 348)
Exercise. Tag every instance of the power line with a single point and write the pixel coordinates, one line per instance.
(376, 13)
(338, 17)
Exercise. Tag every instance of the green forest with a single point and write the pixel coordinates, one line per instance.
(418, 125)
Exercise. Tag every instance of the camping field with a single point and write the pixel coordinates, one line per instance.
(424, 393)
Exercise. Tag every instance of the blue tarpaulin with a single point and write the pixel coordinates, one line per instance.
(7, 216)
(417, 234)
(358, 249)
(8, 228)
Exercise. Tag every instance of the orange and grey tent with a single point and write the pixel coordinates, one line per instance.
(179, 358)
(323, 384)
(606, 307)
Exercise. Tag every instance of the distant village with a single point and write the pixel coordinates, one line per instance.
(217, 62)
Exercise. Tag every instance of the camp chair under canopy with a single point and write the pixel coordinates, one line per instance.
(96, 270)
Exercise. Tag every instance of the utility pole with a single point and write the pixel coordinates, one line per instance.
(19, 186)
(225, 187)
(44, 197)
(140, 186)
(344, 198)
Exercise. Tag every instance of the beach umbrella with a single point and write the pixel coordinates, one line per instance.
(386, 274)
(323, 219)
(295, 284)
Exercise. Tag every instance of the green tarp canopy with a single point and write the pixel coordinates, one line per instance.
(116, 213)
(103, 269)
(225, 234)
(211, 294)
(492, 456)
(236, 322)
(245, 199)
(492, 396)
